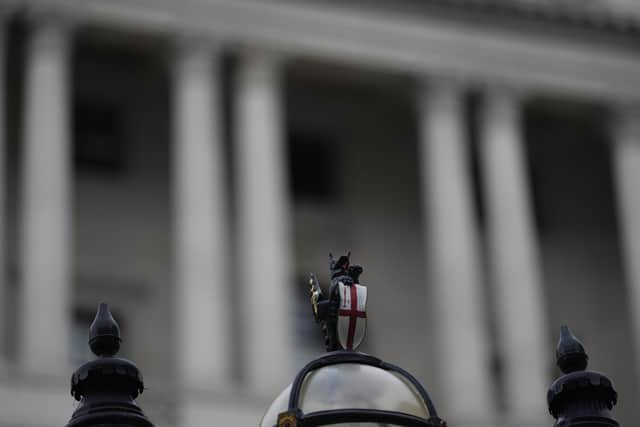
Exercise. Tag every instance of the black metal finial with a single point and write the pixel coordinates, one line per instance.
(107, 386)
(570, 353)
(104, 333)
(579, 397)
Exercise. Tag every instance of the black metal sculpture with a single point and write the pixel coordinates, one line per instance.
(327, 312)
(328, 390)
(107, 386)
(580, 397)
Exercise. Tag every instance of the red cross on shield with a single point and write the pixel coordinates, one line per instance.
(352, 317)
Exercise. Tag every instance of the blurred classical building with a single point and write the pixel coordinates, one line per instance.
(191, 161)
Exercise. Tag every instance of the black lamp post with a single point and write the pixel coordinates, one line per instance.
(107, 386)
(580, 397)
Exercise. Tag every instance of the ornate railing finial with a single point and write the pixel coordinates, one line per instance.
(570, 354)
(579, 397)
(107, 386)
(104, 333)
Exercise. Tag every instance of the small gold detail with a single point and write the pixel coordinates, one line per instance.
(315, 296)
(287, 419)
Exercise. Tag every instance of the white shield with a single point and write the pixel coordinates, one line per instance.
(352, 317)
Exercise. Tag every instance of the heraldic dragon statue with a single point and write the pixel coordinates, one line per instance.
(343, 314)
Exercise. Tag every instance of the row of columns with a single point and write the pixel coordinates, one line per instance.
(201, 226)
(202, 243)
(454, 252)
(202, 286)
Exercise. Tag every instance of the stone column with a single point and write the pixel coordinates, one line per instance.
(45, 256)
(626, 171)
(263, 223)
(513, 255)
(3, 172)
(452, 250)
(201, 281)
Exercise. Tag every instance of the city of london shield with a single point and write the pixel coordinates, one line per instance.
(352, 317)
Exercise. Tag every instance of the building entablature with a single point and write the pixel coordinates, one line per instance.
(583, 64)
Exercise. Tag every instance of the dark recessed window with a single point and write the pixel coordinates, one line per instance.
(568, 151)
(313, 165)
(98, 137)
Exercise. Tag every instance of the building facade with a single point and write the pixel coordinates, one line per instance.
(191, 162)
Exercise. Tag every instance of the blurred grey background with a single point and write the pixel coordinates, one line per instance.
(191, 162)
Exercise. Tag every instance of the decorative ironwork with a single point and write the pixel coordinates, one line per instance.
(339, 315)
(342, 315)
(580, 397)
(107, 386)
